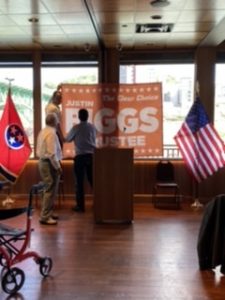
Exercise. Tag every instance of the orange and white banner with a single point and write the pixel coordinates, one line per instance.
(125, 115)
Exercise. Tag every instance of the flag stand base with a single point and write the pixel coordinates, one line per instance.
(196, 204)
(8, 201)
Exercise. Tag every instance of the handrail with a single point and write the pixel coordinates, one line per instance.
(169, 152)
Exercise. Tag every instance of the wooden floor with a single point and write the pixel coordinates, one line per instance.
(154, 258)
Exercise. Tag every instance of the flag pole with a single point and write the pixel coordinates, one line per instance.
(196, 204)
(9, 81)
(7, 184)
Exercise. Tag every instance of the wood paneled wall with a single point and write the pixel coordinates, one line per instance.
(144, 178)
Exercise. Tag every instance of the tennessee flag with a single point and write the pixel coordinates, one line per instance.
(14, 147)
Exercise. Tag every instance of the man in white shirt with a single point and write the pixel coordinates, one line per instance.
(49, 153)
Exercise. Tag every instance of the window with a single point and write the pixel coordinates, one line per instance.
(54, 75)
(177, 84)
(219, 111)
(22, 94)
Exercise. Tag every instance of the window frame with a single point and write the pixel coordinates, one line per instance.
(169, 150)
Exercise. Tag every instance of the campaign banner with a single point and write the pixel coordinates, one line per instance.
(125, 115)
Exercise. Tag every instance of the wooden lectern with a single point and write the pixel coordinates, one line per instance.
(113, 185)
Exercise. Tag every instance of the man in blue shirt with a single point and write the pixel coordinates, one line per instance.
(84, 137)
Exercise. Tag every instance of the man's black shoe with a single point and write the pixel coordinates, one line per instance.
(78, 209)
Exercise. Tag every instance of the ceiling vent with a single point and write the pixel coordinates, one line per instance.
(160, 3)
(146, 28)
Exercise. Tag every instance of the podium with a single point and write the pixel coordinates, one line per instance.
(113, 185)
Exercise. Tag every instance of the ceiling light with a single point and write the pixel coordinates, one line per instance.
(156, 17)
(160, 3)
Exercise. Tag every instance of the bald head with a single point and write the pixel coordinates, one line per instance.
(51, 119)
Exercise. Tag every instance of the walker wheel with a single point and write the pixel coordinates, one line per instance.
(45, 266)
(13, 280)
(3, 271)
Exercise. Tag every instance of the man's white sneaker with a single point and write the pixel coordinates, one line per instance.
(49, 221)
(55, 216)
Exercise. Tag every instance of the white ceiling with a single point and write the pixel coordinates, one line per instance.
(76, 24)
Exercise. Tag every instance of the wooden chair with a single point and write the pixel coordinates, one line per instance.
(166, 190)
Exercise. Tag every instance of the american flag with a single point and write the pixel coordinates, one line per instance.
(200, 145)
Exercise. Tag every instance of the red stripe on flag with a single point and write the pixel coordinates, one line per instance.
(200, 145)
(185, 141)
